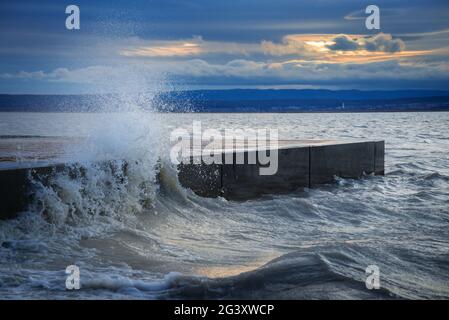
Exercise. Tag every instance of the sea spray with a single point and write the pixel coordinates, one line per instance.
(111, 175)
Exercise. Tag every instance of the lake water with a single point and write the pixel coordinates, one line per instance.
(142, 238)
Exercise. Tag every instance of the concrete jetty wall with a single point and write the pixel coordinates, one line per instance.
(299, 166)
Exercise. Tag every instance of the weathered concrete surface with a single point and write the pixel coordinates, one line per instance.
(349, 160)
(243, 181)
(301, 164)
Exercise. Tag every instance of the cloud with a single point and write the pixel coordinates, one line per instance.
(384, 43)
(245, 72)
(306, 45)
(293, 44)
(166, 49)
(98, 78)
(331, 48)
(289, 46)
(344, 43)
(297, 59)
(24, 75)
(321, 44)
(184, 48)
(356, 15)
(378, 43)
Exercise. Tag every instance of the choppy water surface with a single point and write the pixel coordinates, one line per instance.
(134, 237)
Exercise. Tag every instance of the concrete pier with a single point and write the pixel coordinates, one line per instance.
(301, 164)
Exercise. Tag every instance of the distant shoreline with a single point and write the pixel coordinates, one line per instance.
(242, 112)
(236, 101)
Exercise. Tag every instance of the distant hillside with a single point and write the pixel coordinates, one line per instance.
(303, 94)
(236, 100)
(323, 105)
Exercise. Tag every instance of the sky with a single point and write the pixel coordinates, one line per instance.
(171, 44)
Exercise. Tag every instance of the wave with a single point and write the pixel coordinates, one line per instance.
(92, 192)
(297, 275)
